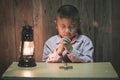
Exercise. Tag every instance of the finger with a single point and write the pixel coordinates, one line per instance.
(66, 40)
(65, 43)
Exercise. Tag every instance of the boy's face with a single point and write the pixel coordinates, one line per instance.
(66, 27)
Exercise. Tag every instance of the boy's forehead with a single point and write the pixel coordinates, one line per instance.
(59, 19)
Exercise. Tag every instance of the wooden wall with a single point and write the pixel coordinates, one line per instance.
(96, 22)
(115, 35)
(7, 34)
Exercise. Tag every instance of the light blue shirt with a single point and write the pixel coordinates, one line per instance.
(82, 50)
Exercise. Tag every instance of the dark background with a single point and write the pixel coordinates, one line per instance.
(100, 20)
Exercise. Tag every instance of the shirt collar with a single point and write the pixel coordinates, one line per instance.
(58, 39)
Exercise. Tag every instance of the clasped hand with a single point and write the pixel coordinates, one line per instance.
(65, 44)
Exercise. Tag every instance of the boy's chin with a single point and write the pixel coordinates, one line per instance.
(68, 36)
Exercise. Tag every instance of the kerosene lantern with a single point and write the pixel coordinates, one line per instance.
(27, 48)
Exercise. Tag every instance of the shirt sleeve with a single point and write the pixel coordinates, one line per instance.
(84, 55)
(49, 55)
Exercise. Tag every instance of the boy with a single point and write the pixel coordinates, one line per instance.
(69, 45)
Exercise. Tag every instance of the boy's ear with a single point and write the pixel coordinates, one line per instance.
(55, 24)
(55, 21)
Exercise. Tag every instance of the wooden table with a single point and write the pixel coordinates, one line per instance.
(52, 71)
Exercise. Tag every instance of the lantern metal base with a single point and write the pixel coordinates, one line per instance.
(27, 62)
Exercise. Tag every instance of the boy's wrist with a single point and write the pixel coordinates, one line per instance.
(59, 53)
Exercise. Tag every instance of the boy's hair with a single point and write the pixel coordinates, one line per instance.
(70, 12)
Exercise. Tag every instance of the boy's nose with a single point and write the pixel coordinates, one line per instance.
(67, 30)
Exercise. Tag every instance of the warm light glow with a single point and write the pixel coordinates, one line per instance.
(28, 48)
(27, 73)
